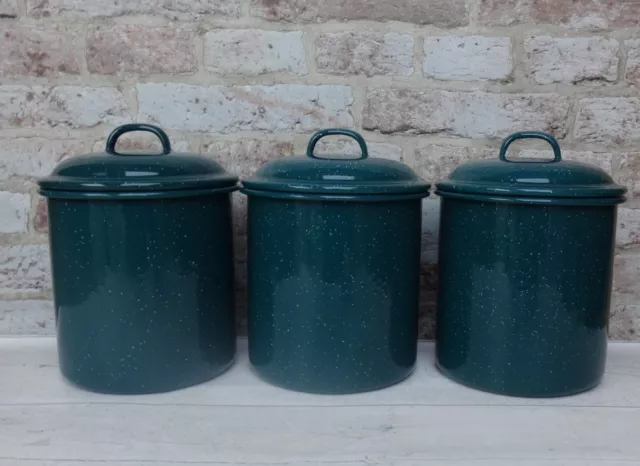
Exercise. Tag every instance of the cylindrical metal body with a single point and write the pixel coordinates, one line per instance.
(142, 266)
(334, 258)
(144, 293)
(333, 292)
(526, 254)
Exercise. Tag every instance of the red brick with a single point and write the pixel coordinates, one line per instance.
(174, 9)
(626, 286)
(443, 13)
(141, 50)
(570, 13)
(632, 72)
(36, 52)
(27, 318)
(244, 157)
(41, 217)
(628, 235)
(629, 173)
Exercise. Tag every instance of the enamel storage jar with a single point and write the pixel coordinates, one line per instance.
(334, 255)
(141, 253)
(525, 261)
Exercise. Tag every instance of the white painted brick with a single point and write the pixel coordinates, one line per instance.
(66, 106)
(254, 52)
(35, 157)
(365, 53)
(14, 212)
(139, 141)
(8, 8)
(435, 162)
(243, 157)
(603, 160)
(571, 60)
(470, 58)
(26, 318)
(466, 114)
(626, 286)
(286, 107)
(629, 173)
(628, 233)
(609, 120)
(24, 268)
(625, 322)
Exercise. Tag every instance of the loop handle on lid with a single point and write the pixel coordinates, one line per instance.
(119, 131)
(337, 132)
(557, 156)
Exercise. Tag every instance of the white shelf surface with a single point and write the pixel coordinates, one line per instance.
(237, 419)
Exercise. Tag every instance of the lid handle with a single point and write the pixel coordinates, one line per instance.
(120, 130)
(337, 132)
(557, 156)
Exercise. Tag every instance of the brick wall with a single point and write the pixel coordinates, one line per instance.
(430, 82)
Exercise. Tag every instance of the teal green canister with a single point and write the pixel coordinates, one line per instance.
(141, 254)
(333, 258)
(526, 252)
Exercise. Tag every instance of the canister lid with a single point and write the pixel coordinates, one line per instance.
(336, 176)
(534, 179)
(138, 172)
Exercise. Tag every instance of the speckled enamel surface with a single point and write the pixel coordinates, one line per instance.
(111, 174)
(143, 291)
(543, 181)
(523, 295)
(333, 292)
(313, 177)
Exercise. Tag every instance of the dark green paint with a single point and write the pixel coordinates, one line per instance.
(313, 177)
(137, 174)
(333, 292)
(554, 180)
(143, 285)
(333, 279)
(525, 285)
(315, 139)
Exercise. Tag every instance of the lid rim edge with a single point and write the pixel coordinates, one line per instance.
(134, 195)
(534, 200)
(555, 192)
(345, 197)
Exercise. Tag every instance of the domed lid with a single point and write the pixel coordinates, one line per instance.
(553, 178)
(336, 176)
(112, 171)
